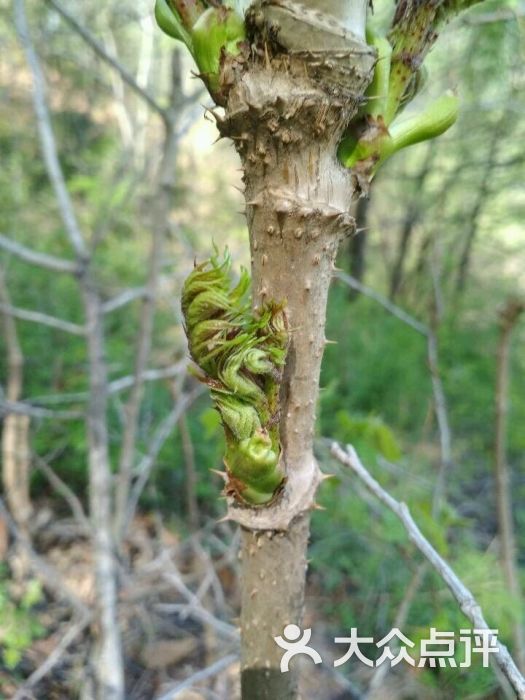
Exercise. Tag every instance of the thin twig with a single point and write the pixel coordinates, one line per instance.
(200, 676)
(43, 319)
(505, 14)
(47, 136)
(117, 385)
(162, 433)
(160, 207)
(383, 301)
(194, 606)
(26, 409)
(67, 494)
(125, 297)
(74, 631)
(399, 622)
(52, 579)
(49, 262)
(150, 375)
(199, 613)
(460, 592)
(438, 392)
(99, 49)
(108, 662)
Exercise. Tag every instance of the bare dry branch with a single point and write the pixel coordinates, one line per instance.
(193, 606)
(44, 319)
(438, 392)
(401, 617)
(505, 14)
(101, 52)
(74, 631)
(150, 375)
(200, 676)
(117, 385)
(440, 404)
(383, 301)
(190, 475)
(123, 298)
(142, 352)
(108, 663)
(67, 494)
(49, 262)
(26, 409)
(47, 137)
(162, 433)
(460, 592)
(50, 576)
(160, 207)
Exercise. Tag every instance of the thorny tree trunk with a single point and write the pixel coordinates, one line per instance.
(287, 125)
(508, 319)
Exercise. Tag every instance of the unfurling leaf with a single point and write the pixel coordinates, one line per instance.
(241, 355)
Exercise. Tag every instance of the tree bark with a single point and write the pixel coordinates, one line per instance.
(287, 125)
(273, 585)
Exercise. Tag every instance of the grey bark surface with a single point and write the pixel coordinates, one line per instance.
(287, 114)
(273, 573)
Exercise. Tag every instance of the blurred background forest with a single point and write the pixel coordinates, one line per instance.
(419, 311)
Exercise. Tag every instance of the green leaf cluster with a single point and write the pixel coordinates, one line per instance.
(209, 32)
(18, 625)
(241, 355)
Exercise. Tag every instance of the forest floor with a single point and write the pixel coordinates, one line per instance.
(179, 599)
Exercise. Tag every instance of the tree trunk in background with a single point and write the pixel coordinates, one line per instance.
(477, 210)
(508, 319)
(357, 244)
(107, 658)
(411, 218)
(287, 127)
(190, 473)
(160, 205)
(16, 456)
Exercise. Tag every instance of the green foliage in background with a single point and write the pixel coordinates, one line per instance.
(376, 385)
(18, 625)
